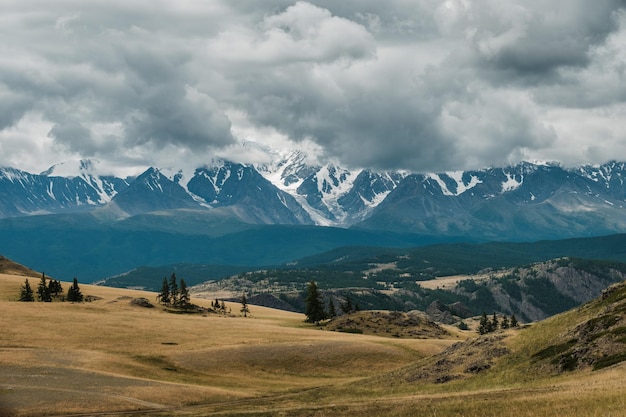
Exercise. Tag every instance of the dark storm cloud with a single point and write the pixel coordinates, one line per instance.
(424, 84)
(84, 66)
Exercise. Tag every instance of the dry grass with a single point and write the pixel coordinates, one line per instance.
(108, 356)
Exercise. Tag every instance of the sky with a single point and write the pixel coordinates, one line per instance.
(419, 85)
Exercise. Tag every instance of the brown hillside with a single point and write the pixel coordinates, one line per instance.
(9, 267)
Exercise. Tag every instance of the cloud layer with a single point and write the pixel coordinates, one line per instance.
(422, 85)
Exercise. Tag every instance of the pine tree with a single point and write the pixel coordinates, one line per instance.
(505, 322)
(514, 322)
(314, 308)
(332, 313)
(43, 292)
(183, 297)
(55, 288)
(26, 292)
(484, 325)
(74, 294)
(164, 296)
(173, 289)
(494, 323)
(347, 306)
(244, 305)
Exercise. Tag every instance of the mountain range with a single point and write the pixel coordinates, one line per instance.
(74, 220)
(527, 201)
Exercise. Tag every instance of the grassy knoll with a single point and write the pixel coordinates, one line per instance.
(109, 356)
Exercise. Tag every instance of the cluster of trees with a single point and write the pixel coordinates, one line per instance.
(314, 305)
(172, 294)
(487, 325)
(49, 289)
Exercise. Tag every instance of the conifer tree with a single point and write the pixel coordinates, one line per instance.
(55, 287)
(332, 313)
(505, 322)
(26, 292)
(244, 305)
(43, 292)
(74, 294)
(514, 322)
(347, 307)
(314, 308)
(183, 294)
(484, 325)
(494, 323)
(173, 289)
(164, 296)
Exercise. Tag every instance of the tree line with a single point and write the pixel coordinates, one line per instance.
(487, 325)
(50, 289)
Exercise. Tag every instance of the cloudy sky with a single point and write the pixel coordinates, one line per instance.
(422, 85)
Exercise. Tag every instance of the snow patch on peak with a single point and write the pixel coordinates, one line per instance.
(511, 183)
(461, 186)
(457, 177)
(441, 183)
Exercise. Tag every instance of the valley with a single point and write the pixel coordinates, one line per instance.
(62, 359)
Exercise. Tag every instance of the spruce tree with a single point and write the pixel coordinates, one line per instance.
(173, 289)
(494, 323)
(314, 308)
(505, 322)
(26, 292)
(55, 287)
(244, 305)
(43, 292)
(183, 294)
(514, 322)
(332, 313)
(164, 295)
(347, 307)
(74, 294)
(484, 325)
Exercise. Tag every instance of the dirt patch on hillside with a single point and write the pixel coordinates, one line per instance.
(412, 325)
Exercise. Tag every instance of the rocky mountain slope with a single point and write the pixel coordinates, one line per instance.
(588, 338)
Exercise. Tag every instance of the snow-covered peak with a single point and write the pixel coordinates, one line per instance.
(288, 170)
(74, 168)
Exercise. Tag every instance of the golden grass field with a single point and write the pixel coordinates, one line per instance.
(107, 357)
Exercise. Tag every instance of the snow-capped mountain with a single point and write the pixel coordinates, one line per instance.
(525, 201)
(78, 187)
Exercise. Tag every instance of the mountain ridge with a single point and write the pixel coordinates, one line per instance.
(527, 201)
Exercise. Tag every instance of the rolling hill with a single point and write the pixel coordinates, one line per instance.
(153, 363)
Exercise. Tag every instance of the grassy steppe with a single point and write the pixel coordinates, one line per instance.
(110, 357)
